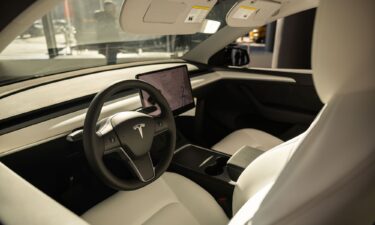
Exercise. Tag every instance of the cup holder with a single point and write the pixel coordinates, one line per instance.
(217, 167)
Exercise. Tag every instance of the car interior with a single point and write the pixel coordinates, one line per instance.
(107, 131)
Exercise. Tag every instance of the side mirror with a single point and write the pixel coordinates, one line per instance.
(232, 55)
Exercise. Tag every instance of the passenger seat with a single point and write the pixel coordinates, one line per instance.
(246, 137)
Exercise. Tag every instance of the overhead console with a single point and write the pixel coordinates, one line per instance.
(252, 13)
(164, 17)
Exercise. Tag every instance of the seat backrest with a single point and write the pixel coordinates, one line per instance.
(330, 177)
(22, 203)
(261, 174)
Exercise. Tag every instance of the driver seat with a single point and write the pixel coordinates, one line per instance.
(172, 199)
(324, 176)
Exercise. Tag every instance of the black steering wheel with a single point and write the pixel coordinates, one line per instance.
(130, 134)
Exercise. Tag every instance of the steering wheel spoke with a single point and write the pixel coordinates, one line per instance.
(107, 136)
(111, 143)
(142, 166)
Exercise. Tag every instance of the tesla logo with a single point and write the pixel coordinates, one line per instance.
(139, 127)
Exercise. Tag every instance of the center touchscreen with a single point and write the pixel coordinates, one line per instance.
(174, 84)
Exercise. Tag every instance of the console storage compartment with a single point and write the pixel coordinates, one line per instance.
(204, 161)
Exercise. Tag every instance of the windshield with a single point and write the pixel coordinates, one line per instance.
(79, 34)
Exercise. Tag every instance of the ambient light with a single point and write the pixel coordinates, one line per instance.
(210, 26)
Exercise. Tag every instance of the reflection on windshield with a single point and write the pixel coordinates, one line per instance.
(90, 28)
(87, 32)
(107, 29)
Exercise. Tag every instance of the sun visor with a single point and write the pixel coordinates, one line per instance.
(251, 13)
(164, 17)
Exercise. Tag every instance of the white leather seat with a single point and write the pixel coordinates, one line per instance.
(172, 199)
(328, 175)
(246, 137)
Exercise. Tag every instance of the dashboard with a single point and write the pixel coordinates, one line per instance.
(53, 126)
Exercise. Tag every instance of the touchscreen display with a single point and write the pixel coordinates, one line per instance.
(174, 84)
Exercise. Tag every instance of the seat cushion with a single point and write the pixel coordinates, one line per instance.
(247, 137)
(172, 199)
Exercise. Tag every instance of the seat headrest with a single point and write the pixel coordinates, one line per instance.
(343, 54)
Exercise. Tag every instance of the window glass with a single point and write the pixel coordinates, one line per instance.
(283, 44)
(86, 33)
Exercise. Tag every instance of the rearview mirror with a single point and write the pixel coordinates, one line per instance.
(232, 55)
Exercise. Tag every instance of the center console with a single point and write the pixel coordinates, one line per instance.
(203, 161)
(214, 171)
(207, 168)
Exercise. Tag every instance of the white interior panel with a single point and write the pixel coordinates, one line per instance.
(161, 11)
(250, 13)
(164, 17)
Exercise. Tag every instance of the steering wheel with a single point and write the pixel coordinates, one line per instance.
(130, 134)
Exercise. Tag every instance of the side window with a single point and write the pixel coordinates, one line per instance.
(285, 43)
(30, 44)
(259, 43)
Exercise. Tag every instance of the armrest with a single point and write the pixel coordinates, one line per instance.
(240, 160)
